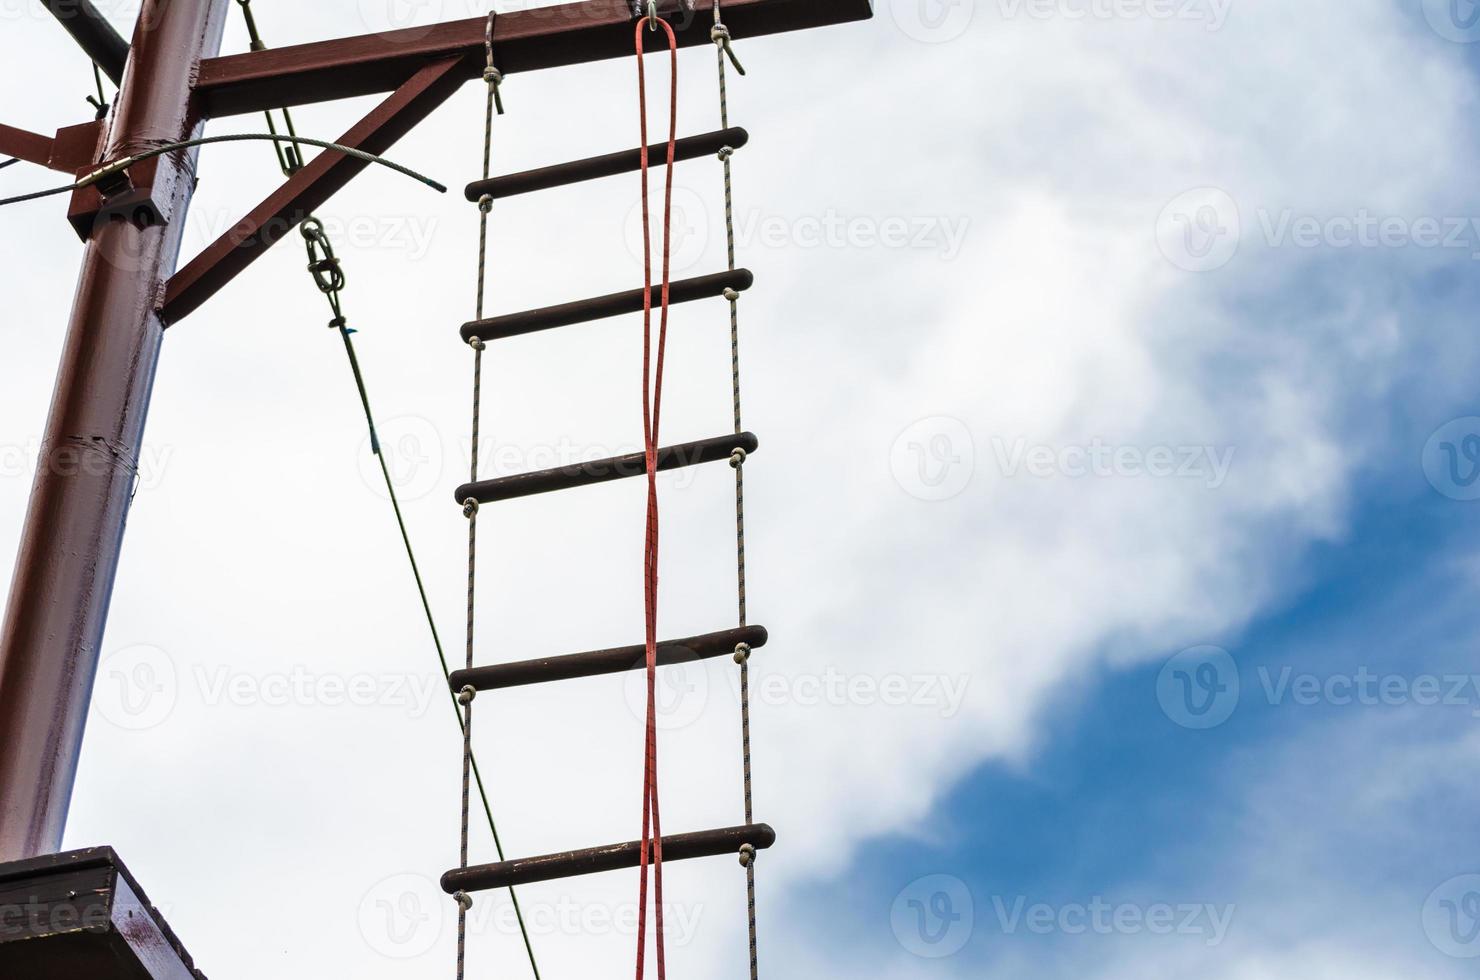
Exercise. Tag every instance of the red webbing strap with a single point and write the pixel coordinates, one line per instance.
(652, 405)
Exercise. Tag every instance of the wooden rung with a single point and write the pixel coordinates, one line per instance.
(601, 307)
(613, 661)
(605, 470)
(613, 857)
(609, 165)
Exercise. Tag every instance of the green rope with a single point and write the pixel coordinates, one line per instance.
(329, 277)
(313, 234)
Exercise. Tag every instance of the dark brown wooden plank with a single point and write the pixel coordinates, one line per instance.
(613, 857)
(605, 470)
(608, 165)
(615, 660)
(603, 307)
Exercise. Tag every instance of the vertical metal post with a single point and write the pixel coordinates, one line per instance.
(69, 548)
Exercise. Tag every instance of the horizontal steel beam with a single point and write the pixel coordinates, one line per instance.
(609, 165)
(93, 33)
(524, 40)
(616, 660)
(605, 470)
(603, 307)
(614, 857)
(25, 145)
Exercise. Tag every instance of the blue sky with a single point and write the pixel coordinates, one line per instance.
(1236, 239)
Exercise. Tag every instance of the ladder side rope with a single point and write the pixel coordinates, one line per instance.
(720, 35)
(652, 405)
(494, 79)
(329, 277)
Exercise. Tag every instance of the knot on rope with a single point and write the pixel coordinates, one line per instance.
(485, 203)
(725, 152)
(477, 343)
(470, 507)
(467, 694)
(738, 458)
(720, 35)
(464, 900)
(731, 295)
(747, 855)
(742, 653)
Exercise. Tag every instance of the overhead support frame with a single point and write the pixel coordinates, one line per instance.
(171, 83)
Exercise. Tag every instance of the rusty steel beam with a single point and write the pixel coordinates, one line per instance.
(73, 532)
(92, 32)
(286, 207)
(616, 660)
(24, 145)
(613, 857)
(524, 40)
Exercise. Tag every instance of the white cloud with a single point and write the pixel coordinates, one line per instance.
(1059, 322)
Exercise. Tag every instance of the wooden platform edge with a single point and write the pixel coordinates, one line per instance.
(82, 913)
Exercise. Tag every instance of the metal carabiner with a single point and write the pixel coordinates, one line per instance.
(653, 16)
